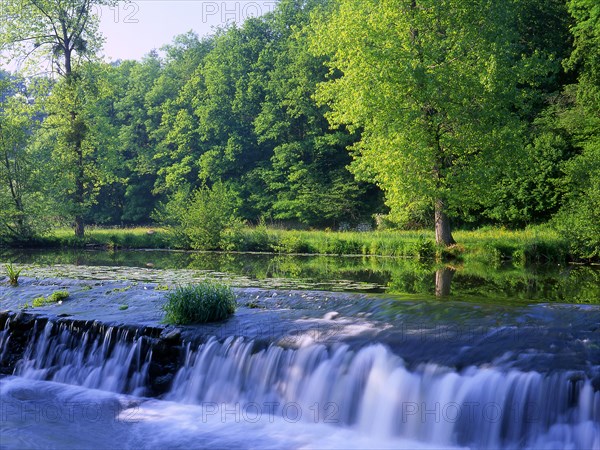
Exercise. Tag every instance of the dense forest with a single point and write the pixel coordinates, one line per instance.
(322, 113)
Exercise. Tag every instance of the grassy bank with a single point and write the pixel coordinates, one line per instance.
(489, 245)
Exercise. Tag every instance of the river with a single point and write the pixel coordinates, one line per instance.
(323, 352)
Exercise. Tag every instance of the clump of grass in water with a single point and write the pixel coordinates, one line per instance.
(38, 301)
(13, 274)
(200, 303)
(55, 297)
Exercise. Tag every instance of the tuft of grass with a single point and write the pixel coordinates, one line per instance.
(38, 301)
(200, 303)
(13, 274)
(55, 297)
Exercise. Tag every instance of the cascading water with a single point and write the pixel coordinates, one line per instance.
(109, 361)
(368, 392)
(373, 391)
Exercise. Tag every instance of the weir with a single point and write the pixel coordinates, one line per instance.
(367, 389)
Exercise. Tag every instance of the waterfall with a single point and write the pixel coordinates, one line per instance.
(372, 390)
(108, 361)
(369, 390)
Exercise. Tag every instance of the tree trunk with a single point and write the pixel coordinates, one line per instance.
(78, 133)
(443, 233)
(443, 279)
(79, 194)
(79, 227)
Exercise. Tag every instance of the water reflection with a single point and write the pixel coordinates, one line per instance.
(571, 284)
(443, 280)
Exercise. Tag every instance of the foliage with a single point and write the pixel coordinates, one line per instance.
(13, 274)
(434, 87)
(201, 303)
(38, 302)
(578, 220)
(24, 207)
(64, 35)
(198, 221)
(57, 296)
(463, 111)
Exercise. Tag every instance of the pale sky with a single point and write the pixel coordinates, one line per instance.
(133, 29)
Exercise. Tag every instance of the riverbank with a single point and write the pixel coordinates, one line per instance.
(532, 245)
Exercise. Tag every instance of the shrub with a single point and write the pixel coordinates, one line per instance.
(291, 243)
(423, 248)
(198, 221)
(200, 303)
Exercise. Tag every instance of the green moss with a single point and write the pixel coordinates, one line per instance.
(57, 296)
(38, 301)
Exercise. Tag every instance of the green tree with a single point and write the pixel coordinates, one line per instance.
(307, 177)
(579, 217)
(226, 107)
(126, 197)
(61, 34)
(435, 88)
(171, 105)
(80, 152)
(531, 187)
(21, 200)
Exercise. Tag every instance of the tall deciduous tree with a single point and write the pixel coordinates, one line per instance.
(21, 204)
(60, 33)
(307, 175)
(435, 87)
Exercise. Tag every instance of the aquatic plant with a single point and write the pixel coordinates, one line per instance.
(199, 303)
(13, 274)
(55, 297)
(38, 301)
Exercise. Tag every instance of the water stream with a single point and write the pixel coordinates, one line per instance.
(331, 370)
(364, 393)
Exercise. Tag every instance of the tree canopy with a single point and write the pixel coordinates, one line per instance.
(321, 113)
